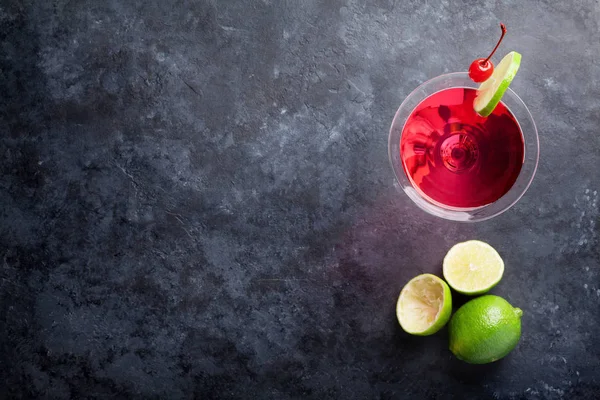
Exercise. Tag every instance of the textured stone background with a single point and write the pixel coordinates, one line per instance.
(196, 199)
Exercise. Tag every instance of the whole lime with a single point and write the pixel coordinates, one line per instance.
(484, 330)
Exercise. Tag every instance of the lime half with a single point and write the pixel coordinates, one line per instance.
(484, 330)
(491, 91)
(424, 305)
(473, 267)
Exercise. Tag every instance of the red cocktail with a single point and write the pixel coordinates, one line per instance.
(456, 164)
(456, 157)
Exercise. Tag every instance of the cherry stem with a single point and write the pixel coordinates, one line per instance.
(503, 27)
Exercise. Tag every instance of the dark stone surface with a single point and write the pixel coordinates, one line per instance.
(196, 199)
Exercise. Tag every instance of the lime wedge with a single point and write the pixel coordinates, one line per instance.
(491, 91)
(424, 305)
(473, 267)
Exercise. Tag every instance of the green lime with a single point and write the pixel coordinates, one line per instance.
(424, 305)
(484, 330)
(490, 92)
(473, 267)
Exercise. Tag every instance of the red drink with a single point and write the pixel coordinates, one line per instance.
(456, 157)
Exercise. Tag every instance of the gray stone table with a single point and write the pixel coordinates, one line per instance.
(196, 200)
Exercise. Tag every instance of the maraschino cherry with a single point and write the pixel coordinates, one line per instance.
(482, 68)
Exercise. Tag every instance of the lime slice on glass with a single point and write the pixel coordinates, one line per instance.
(491, 91)
(424, 305)
(473, 267)
(484, 330)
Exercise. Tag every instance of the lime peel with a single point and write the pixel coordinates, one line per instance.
(424, 305)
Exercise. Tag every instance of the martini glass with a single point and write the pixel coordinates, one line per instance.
(455, 164)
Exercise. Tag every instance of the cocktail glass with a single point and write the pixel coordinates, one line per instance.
(461, 169)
